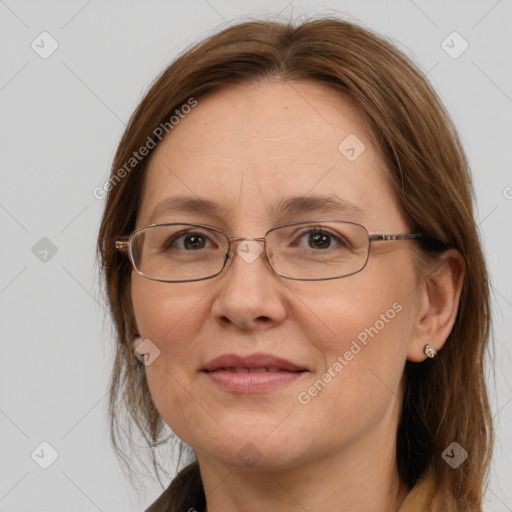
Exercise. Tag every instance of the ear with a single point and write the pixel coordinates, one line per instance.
(438, 305)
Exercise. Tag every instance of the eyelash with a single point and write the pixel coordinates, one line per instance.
(310, 232)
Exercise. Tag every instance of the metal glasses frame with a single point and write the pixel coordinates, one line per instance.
(124, 243)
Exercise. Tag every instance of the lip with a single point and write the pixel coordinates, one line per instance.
(252, 374)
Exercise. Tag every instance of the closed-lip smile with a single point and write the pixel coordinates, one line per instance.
(253, 373)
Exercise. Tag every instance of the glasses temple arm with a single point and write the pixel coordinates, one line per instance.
(408, 236)
(122, 243)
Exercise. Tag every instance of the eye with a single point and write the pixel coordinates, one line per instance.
(188, 241)
(320, 239)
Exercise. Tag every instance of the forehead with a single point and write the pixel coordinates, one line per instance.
(256, 123)
(248, 147)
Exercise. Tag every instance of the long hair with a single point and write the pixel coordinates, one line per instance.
(445, 399)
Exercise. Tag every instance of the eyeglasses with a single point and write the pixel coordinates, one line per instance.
(306, 251)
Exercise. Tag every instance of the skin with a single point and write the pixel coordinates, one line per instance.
(247, 147)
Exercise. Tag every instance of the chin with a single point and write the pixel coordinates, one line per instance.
(255, 448)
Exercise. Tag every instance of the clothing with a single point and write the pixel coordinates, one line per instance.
(161, 504)
(421, 498)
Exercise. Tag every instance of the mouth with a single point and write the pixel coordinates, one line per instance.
(252, 374)
(252, 370)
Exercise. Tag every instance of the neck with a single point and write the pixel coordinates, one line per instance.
(356, 478)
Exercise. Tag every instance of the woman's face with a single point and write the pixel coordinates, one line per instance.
(248, 149)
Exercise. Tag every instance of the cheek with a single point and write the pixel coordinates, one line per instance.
(356, 386)
(171, 316)
(166, 313)
(360, 333)
(358, 310)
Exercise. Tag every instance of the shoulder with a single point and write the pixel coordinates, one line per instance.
(422, 497)
(185, 493)
(162, 504)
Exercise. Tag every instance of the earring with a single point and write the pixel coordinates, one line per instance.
(429, 351)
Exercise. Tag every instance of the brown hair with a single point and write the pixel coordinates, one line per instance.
(445, 398)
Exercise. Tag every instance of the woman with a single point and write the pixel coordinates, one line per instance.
(289, 250)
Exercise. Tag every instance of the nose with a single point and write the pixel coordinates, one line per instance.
(250, 295)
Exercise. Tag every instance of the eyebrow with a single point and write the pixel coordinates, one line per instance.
(320, 204)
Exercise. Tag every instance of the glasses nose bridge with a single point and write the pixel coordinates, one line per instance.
(242, 238)
(233, 240)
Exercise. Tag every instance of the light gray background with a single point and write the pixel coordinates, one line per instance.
(61, 119)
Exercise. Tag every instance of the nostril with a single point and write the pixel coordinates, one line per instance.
(224, 319)
(260, 319)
